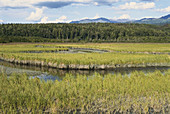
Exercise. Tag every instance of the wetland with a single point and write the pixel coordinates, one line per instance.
(85, 78)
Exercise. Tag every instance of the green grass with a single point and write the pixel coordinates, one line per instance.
(89, 58)
(135, 47)
(138, 93)
(125, 47)
(122, 47)
(28, 48)
(14, 53)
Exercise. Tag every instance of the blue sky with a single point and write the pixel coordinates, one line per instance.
(54, 11)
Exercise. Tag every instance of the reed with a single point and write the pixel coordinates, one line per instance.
(21, 54)
(89, 60)
(28, 48)
(137, 93)
(122, 47)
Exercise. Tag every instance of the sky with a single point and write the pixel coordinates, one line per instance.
(65, 11)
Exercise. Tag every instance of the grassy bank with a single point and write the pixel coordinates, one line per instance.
(139, 93)
(87, 61)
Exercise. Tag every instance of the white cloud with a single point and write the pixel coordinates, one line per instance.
(164, 9)
(44, 19)
(96, 3)
(84, 18)
(147, 17)
(61, 19)
(1, 21)
(35, 16)
(124, 16)
(96, 16)
(134, 5)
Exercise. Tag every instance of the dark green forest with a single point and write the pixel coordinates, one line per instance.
(92, 32)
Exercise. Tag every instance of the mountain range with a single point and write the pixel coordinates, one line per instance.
(159, 21)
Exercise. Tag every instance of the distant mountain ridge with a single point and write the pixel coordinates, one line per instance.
(166, 17)
(98, 20)
(161, 20)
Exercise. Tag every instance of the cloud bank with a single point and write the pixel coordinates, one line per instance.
(1, 21)
(61, 19)
(134, 5)
(51, 3)
(164, 9)
(35, 16)
(124, 16)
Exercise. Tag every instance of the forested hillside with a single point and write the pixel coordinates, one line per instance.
(93, 32)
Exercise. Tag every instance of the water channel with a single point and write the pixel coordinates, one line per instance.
(56, 74)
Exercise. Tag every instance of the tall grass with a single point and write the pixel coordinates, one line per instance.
(28, 48)
(14, 53)
(134, 47)
(56, 59)
(138, 93)
(124, 47)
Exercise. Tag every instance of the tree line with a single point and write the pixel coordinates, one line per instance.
(91, 32)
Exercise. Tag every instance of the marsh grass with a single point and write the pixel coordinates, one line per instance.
(138, 93)
(123, 47)
(13, 53)
(89, 59)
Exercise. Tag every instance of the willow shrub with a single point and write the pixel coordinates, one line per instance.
(137, 93)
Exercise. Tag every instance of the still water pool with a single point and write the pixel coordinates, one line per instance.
(56, 74)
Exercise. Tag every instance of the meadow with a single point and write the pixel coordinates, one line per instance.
(137, 93)
(116, 55)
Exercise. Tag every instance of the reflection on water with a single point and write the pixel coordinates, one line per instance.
(70, 50)
(46, 77)
(53, 74)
